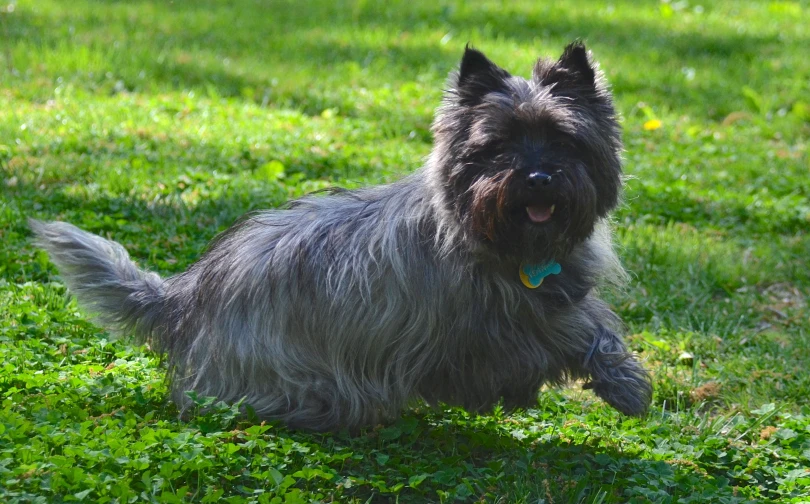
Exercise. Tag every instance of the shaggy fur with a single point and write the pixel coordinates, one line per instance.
(341, 309)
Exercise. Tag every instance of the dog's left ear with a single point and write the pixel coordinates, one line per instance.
(575, 59)
(478, 76)
(574, 68)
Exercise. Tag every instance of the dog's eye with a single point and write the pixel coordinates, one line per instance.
(560, 144)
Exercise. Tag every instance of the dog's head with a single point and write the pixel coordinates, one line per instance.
(528, 167)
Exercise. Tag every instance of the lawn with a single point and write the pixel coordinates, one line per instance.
(159, 123)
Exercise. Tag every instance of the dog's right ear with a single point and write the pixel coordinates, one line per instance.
(478, 76)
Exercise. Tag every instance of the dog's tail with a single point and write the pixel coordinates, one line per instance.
(124, 299)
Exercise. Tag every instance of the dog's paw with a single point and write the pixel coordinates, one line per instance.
(628, 390)
(617, 376)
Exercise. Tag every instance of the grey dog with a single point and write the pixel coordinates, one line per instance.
(470, 282)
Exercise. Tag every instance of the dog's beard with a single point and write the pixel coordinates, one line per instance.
(520, 224)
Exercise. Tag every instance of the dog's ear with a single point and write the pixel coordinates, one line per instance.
(576, 61)
(478, 76)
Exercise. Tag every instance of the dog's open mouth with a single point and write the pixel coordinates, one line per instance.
(540, 213)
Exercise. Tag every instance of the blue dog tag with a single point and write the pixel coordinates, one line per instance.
(532, 275)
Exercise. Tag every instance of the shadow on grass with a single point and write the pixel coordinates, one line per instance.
(485, 458)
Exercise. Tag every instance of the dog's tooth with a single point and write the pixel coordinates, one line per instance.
(552, 208)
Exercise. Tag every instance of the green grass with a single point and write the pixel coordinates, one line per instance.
(159, 123)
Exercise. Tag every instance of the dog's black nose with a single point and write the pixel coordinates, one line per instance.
(538, 179)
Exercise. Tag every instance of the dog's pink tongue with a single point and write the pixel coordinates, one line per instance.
(538, 213)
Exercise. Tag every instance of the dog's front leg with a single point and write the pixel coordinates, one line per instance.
(616, 374)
